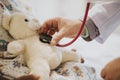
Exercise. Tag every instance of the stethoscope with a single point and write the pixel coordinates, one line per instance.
(46, 38)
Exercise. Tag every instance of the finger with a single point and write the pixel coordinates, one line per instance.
(44, 29)
(57, 37)
(51, 32)
(51, 24)
(72, 36)
(103, 74)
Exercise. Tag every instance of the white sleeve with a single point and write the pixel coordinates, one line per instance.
(106, 17)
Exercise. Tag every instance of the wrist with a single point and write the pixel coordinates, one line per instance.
(85, 32)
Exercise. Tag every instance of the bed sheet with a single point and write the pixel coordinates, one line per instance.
(96, 54)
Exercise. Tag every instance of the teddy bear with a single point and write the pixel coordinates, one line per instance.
(39, 57)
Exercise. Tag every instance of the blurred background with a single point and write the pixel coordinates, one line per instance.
(94, 53)
(45, 9)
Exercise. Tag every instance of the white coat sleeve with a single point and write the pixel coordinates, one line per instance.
(103, 20)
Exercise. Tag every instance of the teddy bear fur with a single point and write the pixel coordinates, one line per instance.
(38, 56)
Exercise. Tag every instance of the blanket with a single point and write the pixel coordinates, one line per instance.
(12, 67)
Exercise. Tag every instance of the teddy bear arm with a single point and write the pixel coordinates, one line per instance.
(70, 56)
(15, 47)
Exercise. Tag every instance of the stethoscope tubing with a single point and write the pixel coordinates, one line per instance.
(81, 28)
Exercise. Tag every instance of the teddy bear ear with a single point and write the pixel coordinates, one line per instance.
(6, 21)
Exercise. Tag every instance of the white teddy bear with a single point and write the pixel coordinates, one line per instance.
(38, 56)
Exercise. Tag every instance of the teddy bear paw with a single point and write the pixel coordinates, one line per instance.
(14, 47)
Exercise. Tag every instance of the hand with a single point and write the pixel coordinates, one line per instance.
(112, 70)
(63, 27)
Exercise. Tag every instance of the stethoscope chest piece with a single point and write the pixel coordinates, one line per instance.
(45, 38)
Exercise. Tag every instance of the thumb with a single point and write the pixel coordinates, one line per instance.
(57, 37)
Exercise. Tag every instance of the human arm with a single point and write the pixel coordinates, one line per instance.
(103, 20)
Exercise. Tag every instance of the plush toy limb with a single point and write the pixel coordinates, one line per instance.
(71, 56)
(39, 67)
(15, 47)
(28, 77)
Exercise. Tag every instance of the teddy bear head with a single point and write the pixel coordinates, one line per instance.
(20, 25)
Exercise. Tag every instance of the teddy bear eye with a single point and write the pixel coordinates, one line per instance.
(26, 20)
